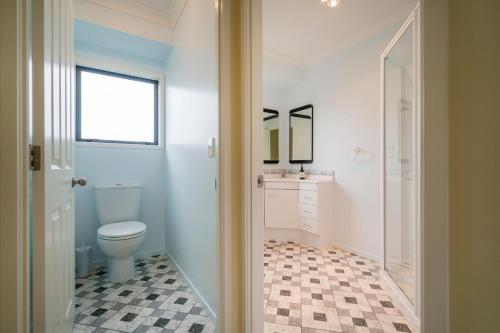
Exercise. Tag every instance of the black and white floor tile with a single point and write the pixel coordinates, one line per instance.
(311, 291)
(157, 299)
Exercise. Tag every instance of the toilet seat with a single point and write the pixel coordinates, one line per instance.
(121, 230)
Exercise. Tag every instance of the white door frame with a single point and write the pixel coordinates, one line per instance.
(434, 284)
(14, 166)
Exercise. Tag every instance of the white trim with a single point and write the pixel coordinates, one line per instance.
(144, 254)
(122, 21)
(136, 9)
(113, 145)
(400, 299)
(133, 69)
(15, 103)
(373, 29)
(168, 18)
(253, 195)
(269, 54)
(358, 252)
(202, 300)
(435, 228)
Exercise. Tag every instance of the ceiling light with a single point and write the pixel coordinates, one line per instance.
(331, 3)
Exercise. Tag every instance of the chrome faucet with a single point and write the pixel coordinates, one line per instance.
(283, 173)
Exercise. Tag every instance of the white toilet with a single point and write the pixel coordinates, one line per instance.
(120, 233)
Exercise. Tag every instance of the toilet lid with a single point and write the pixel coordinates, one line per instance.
(121, 229)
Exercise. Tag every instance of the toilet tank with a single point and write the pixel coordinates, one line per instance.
(118, 203)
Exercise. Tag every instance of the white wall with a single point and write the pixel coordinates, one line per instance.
(192, 117)
(345, 92)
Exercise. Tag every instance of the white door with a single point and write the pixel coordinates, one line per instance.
(53, 199)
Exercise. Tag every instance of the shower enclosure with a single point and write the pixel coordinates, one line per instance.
(401, 162)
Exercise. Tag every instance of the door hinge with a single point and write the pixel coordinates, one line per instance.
(35, 157)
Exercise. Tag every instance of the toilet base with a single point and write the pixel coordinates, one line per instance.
(121, 270)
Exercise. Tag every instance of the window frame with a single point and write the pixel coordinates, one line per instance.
(82, 68)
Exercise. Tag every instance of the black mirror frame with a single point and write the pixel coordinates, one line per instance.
(275, 114)
(291, 114)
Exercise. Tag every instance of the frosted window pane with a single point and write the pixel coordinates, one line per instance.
(116, 109)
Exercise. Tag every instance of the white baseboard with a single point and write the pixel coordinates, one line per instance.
(402, 302)
(207, 307)
(101, 262)
(306, 238)
(358, 252)
(291, 235)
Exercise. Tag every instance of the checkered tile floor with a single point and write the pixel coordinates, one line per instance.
(311, 291)
(156, 300)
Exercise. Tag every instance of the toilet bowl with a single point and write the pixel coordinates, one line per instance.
(119, 241)
(120, 234)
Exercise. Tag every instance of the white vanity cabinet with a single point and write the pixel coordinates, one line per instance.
(300, 209)
(281, 205)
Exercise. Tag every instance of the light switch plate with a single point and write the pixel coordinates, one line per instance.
(211, 147)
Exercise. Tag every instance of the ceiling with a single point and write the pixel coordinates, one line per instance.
(161, 12)
(301, 32)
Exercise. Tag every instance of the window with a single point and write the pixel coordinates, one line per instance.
(112, 107)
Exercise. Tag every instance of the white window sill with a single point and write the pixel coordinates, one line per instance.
(113, 145)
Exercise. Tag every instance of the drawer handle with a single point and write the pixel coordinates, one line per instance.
(307, 211)
(307, 197)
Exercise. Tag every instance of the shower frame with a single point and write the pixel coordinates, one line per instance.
(412, 309)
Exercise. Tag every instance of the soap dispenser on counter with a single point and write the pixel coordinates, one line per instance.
(302, 174)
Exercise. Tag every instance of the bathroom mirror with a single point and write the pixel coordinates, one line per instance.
(301, 134)
(271, 136)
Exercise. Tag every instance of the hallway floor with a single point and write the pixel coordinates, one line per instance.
(156, 300)
(312, 291)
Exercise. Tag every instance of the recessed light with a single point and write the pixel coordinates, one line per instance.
(331, 3)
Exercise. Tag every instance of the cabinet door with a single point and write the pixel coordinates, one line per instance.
(281, 209)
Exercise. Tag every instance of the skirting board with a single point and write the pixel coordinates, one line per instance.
(291, 235)
(305, 238)
(401, 300)
(101, 262)
(360, 253)
(207, 307)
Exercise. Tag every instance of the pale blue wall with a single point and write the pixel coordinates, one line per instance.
(104, 166)
(179, 199)
(191, 119)
(103, 41)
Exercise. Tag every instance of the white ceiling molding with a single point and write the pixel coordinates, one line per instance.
(135, 8)
(271, 55)
(309, 32)
(166, 15)
(383, 24)
(280, 71)
(133, 16)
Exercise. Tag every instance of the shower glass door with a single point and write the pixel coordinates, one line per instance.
(400, 174)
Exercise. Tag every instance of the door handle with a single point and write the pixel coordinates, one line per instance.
(260, 181)
(80, 181)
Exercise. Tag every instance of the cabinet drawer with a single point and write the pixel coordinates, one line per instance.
(308, 211)
(308, 225)
(281, 185)
(308, 197)
(308, 187)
